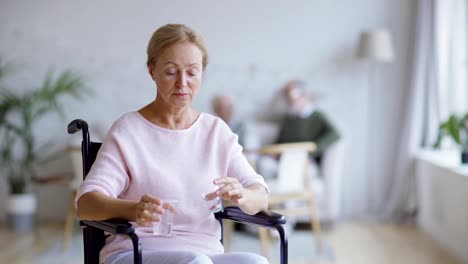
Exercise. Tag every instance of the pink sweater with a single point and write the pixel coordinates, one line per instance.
(138, 157)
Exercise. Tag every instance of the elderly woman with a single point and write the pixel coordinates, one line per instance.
(169, 151)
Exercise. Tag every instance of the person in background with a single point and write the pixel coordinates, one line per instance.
(223, 107)
(167, 150)
(304, 122)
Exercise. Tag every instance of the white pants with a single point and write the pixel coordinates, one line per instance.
(187, 257)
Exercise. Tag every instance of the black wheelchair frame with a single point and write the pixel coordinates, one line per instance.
(93, 231)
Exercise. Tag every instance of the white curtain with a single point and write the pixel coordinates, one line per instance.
(418, 112)
(437, 87)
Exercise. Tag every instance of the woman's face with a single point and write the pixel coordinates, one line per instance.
(178, 73)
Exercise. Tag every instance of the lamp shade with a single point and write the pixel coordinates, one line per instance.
(376, 45)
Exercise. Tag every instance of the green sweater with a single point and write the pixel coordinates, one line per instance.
(316, 127)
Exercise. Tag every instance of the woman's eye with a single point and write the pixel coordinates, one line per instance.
(171, 72)
(192, 73)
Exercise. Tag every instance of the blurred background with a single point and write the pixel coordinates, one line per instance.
(390, 74)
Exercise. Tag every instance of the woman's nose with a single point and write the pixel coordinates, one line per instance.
(182, 80)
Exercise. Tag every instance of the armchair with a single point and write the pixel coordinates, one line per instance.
(327, 180)
(292, 184)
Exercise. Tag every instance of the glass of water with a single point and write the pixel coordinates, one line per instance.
(164, 226)
(215, 205)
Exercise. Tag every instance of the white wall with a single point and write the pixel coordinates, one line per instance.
(254, 47)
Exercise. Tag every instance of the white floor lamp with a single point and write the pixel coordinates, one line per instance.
(375, 47)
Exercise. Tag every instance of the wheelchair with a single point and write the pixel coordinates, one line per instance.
(93, 231)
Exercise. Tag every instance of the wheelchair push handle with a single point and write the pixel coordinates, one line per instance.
(77, 125)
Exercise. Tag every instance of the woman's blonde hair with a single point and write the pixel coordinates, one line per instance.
(171, 34)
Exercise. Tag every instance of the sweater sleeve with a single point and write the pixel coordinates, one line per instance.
(109, 174)
(327, 136)
(238, 166)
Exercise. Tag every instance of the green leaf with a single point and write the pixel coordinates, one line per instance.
(452, 128)
(439, 138)
(456, 128)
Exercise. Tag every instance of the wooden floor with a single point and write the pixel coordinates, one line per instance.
(386, 244)
(351, 242)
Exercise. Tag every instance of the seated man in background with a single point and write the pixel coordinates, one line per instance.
(304, 122)
(224, 109)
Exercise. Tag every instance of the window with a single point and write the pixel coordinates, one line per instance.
(452, 32)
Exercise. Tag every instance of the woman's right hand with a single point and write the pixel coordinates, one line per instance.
(148, 210)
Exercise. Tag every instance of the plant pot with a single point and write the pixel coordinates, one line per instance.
(21, 212)
(464, 157)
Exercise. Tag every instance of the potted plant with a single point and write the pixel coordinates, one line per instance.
(19, 149)
(457, 129)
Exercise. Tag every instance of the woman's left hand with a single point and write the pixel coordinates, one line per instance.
(230, 189)
(251, 199)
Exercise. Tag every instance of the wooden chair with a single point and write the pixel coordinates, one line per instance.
(292, 186)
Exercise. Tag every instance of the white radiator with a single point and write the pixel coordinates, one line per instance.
(443, 199)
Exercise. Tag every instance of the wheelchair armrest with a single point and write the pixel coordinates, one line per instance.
(266, 219)
(114, 226)
(119, 227)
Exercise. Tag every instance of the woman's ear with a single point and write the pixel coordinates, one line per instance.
(151, 71)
